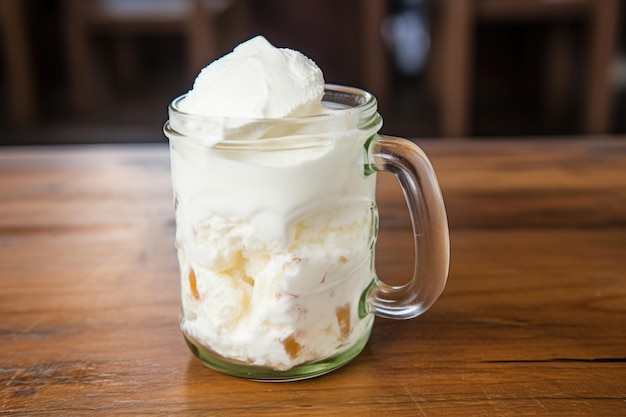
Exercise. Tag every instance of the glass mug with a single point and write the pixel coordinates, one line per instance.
(275, 234)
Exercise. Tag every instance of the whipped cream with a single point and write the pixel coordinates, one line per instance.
(274, 238)
(257, 81)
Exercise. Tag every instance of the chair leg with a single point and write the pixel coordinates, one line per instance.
(78, 62)
(375, 67)
(603, 37)
(19, 69)
(456, 66)
(201, 38)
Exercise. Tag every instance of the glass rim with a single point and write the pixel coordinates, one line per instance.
(368, 102)
(356, 111)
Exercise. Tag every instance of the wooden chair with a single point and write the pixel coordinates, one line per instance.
(453, 45)
(456, 43)
(194, 19)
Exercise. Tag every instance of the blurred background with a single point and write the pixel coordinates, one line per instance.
(103, 71)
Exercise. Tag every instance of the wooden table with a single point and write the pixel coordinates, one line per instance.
(532, 322)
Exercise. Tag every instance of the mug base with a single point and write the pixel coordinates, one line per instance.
(264, 374)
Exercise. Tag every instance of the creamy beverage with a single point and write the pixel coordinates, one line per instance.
(274, 196)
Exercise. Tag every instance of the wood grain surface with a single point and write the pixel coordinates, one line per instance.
(532, 321)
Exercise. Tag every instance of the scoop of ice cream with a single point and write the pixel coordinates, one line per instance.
(257, 80)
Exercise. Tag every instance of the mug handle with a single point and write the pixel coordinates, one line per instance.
(412, 168)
